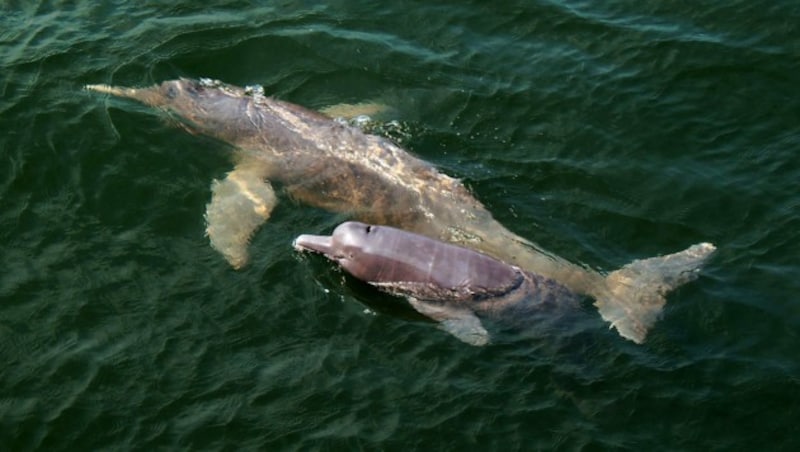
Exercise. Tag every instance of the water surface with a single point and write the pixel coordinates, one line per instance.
(605, 131)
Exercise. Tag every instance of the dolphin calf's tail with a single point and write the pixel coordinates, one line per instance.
(635, 294)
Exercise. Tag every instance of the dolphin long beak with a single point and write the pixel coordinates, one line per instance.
(148, 96)
(322, 244)
(119, 91)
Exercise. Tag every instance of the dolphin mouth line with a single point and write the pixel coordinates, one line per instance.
(338, 259)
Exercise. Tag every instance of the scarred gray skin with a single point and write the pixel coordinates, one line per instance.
(453, 285)
(328, 164)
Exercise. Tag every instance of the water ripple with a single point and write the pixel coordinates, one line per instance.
(608, 132)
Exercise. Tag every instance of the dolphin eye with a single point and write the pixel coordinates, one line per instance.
(194, 88)
(368, 229)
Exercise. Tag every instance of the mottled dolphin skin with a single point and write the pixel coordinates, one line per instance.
(453, 285)
(328, 164)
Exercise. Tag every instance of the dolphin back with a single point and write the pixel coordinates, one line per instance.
(413, 265)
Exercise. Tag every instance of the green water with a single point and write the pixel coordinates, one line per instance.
(605, 131)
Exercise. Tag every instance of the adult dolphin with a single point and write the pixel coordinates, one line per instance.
(331, 165)
(457, 286)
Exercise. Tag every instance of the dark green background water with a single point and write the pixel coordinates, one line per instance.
(605, 131)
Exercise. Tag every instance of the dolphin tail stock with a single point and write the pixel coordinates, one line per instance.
(636, 293)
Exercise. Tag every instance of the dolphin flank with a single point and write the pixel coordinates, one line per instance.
(328, 164)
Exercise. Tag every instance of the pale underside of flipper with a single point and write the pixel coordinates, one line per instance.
(240, 203)
(636, 293)
(460, 322)
(349, 111)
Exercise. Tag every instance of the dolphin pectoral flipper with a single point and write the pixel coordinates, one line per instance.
(240, 203)
(351, 111)
(460, 322)
(636, 293)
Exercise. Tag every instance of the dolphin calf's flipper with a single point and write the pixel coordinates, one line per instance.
(636, 292)
(460, 322)
(240, 203)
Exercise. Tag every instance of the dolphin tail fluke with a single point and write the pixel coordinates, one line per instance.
(636, 293)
